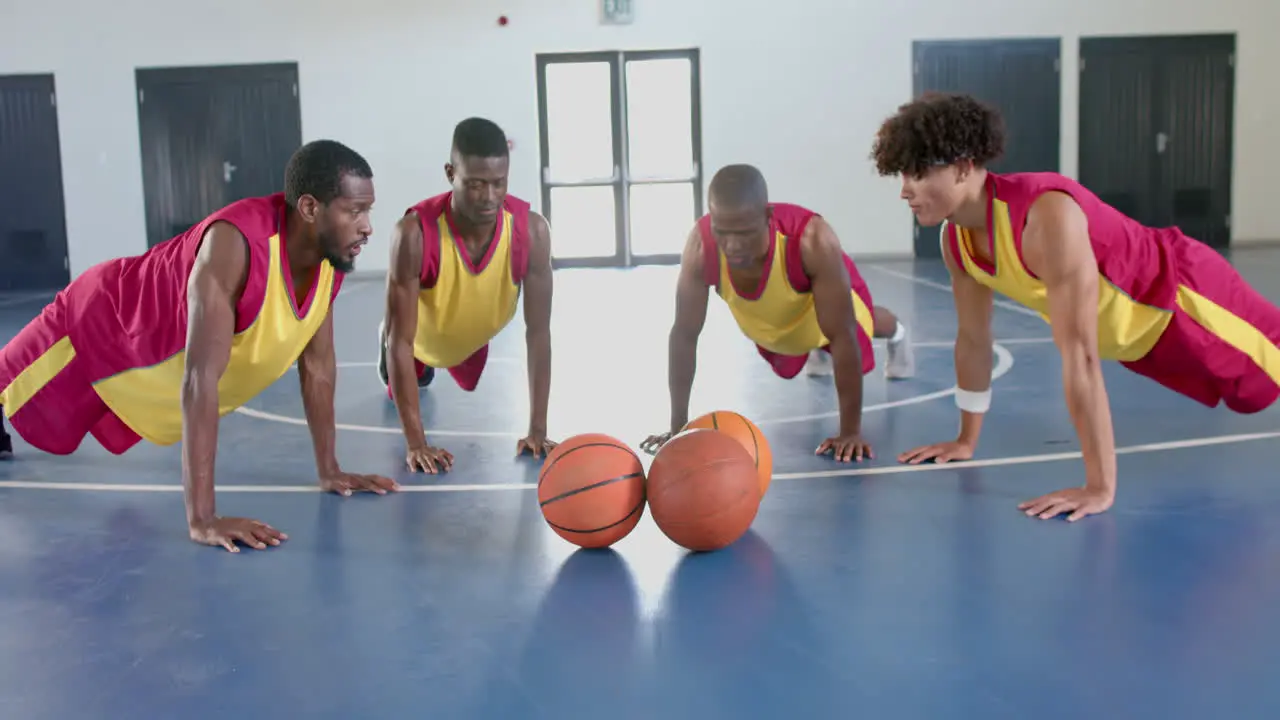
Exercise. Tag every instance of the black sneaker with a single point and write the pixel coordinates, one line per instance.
(6, 444)
(424, 379)
(382, 356)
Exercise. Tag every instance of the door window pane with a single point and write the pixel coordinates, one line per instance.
(661, 217)
(579, 121)
(660, 118)
(582, 222)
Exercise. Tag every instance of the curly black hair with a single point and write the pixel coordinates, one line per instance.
(938, 129)
(317, 169)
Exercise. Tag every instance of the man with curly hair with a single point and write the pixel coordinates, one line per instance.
(792, 290)
(1162, 304)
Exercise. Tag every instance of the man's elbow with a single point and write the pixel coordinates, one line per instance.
(974, 340)
(537, 332)
(399, 347)
(684, 333)
(844, 340)
(1080, 356)
(199, 380)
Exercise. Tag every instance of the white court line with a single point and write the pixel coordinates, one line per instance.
(888, 470)
(877, 341)
(285, 419)
(1003, 364)
(25, 298)
(503, 360)
(947, 288)
(109, 487)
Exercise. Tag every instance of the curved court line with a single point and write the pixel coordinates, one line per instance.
(374, 363)
(272, 417)
(888, 470)
(998, 302)
(879, 341)
(1003, 364)
(23, 299)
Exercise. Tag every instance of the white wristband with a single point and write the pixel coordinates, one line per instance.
(973, 402)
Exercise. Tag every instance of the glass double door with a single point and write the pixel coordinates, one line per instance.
(621, 155)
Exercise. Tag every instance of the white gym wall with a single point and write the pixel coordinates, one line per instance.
(798, 88)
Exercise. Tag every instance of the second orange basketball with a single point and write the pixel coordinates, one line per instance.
(745, 432)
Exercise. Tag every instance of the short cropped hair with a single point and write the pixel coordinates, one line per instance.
(738, 186)
(938, 129)
(481, 138)
(317, 169)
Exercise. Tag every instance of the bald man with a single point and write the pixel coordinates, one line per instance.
(793, 291)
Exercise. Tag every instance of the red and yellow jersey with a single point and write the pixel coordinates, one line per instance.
(1138, 266)
(462, 305)
(126, 323)
(778, 314)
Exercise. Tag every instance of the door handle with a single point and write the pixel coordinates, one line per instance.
(1162, 142)
(227, 169)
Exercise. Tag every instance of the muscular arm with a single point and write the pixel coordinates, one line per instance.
(213, 289)
(691, 315)
(823, 260)
(318, 376)
(1056, 248)
(973, 349)
(403, 285)
(537, 321)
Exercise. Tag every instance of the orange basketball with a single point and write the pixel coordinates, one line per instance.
(745, 432)
(703, 490)
(591, 490)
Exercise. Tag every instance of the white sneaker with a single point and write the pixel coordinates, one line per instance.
(819, 364)
(902, 358)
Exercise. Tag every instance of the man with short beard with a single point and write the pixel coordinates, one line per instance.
(159, 346)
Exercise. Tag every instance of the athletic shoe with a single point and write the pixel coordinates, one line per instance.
(902, 359)
(424, 378)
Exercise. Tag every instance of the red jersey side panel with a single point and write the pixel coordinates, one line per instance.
(118, 317)
(1170, 307)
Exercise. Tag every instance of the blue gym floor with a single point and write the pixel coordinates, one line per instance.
(874, 590)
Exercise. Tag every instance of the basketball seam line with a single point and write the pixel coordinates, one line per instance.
(547, 468)
(634, 510)
(715, 425)
(719, 513)
(592, 486)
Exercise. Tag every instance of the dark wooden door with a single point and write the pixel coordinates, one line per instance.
(211, 136)
(1019, 77)
(33, 225)
(1156, 119)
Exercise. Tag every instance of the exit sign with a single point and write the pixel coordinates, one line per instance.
(617, 12)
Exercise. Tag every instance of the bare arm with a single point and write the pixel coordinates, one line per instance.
(318, 376)
(213, 289)
(823, 259)
(403, 285)
(537, 321)
(1056, 248)
(973, 348)
(691, 315)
